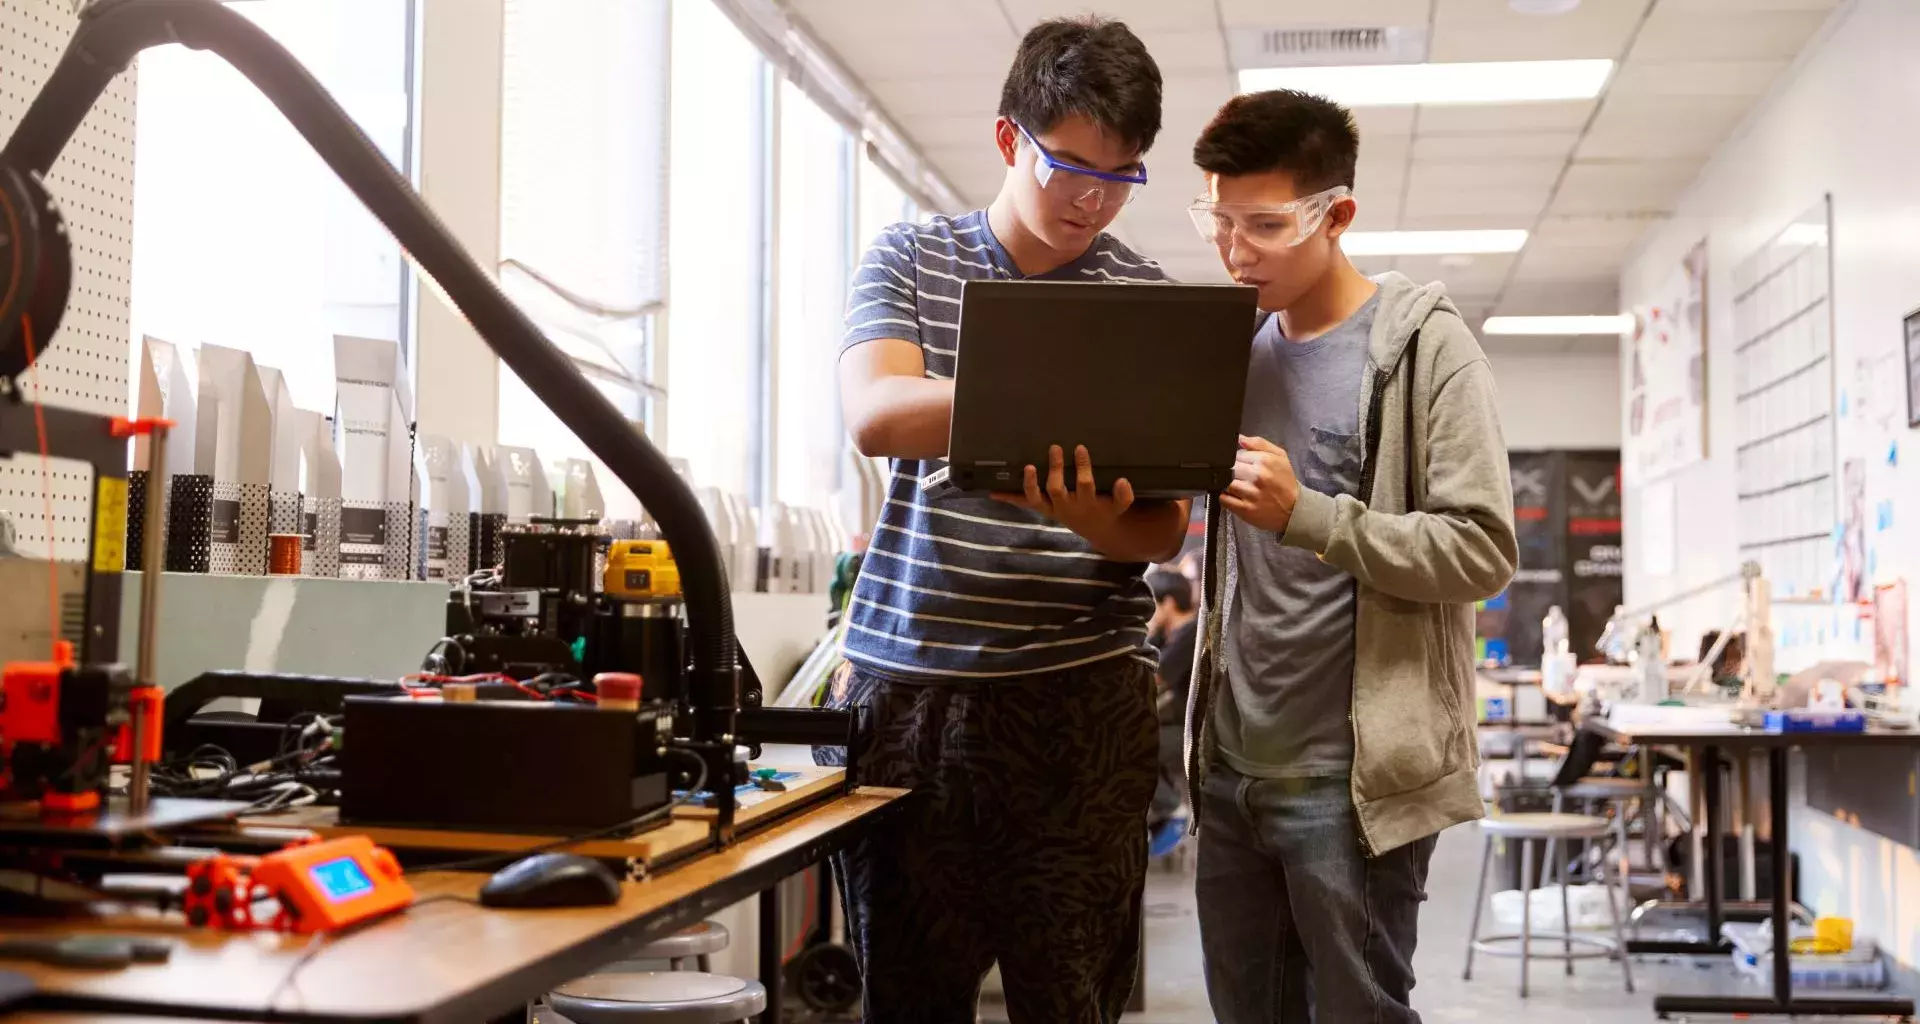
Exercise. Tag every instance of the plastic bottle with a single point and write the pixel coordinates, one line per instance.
(1553, 633)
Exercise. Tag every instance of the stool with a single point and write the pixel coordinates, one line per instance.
(1609, 792)
(696, 942)
(658, 997)
(1528, 829)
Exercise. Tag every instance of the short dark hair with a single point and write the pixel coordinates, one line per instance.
(1309, 137)
(1165, 583)
(1089, 65)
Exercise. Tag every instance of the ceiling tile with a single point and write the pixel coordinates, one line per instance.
(1529, 296)
(1479, 30)
(1460, 220)
(1489, 118)
(931, 96)
(1504, 204)
(1743, 78)
(1196, 90)
(843, 22)
(1317, 13)
(1140, 15)
(1645, 128)
(1620, 187)
(1463, 275)
(1543, 260)
(1184, 49)
(1743, 7)
(1673, 34)
(878, 59)
(971, 129)
(1436, 175)
(1616, 233)
(1461, 148)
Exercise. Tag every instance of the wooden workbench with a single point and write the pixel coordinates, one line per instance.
(445, 960)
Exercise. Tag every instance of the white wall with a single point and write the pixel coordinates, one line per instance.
(1558, 400)
(1840, 123)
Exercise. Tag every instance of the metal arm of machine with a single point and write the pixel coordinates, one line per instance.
(112, 32)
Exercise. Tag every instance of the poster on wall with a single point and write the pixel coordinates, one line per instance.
(1539, 520)
(1667, 375)
(1855, 575)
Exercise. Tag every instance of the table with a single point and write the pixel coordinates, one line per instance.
(1712, 739)
(445, 960)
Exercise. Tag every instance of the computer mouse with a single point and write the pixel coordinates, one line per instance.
(551, 880)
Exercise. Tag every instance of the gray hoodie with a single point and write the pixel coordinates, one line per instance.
(1434, 536)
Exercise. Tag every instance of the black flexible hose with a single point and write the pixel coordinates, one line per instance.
(112, 32)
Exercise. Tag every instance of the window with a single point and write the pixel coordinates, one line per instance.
(717, 315)
(242, 236)
(816, 185)
(583, 188)
(882, 201)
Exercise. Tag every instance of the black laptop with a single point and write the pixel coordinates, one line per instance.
(1150, 377)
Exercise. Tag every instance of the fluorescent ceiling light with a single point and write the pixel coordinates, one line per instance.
(1617, 324)
(1400, 85)
(1431, 243)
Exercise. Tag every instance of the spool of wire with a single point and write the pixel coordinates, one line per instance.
(283, 553)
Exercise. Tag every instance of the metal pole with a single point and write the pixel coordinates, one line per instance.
(1709, 768)
(771, 964)
(1782, 878)
(150, 562)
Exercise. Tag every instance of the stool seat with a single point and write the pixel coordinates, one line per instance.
(1601, 788)
(658, 997)
(703, 939)
(1544, 825)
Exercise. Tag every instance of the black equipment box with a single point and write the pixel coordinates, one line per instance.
(499, 765)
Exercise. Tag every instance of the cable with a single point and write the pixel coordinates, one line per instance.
(623, 828)
(46, 483)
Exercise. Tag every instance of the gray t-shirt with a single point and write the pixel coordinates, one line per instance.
(1290, 659)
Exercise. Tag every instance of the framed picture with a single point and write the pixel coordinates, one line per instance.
(1912, 323)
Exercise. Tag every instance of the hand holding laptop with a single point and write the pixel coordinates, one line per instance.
(1083, 509)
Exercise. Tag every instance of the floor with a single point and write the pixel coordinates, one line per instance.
(1594, 995)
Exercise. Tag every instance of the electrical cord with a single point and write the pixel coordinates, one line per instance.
(494, 860)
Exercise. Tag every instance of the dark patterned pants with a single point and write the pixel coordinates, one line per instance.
(1025, 842)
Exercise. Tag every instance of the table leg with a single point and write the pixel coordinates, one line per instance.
(1650, 814)
(1708, 767)
(1696, 789)
(1782, 876)
(1748, 875)
(770, 959)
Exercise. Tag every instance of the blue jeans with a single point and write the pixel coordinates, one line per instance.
(1297, 924)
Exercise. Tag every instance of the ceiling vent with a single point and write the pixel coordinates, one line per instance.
(1323, 47)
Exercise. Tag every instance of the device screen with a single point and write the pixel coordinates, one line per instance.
(341, 879)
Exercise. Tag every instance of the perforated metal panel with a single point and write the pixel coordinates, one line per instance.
(85, 367)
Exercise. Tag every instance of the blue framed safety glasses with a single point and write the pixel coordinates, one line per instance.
(1057, 177)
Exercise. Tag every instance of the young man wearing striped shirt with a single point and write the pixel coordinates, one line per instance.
(1000, 664)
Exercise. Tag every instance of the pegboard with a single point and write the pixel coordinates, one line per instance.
(86, 365)
(1784, 429)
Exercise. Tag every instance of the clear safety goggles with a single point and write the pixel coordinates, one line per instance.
(1078, 184)
(1265, 227)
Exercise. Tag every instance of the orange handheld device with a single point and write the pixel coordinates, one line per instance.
(327, 886)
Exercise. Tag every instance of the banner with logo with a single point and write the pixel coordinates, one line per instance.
(1594, 557)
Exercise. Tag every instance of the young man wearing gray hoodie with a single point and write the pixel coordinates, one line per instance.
(1329, 739)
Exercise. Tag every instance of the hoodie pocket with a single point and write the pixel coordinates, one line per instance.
(1407, 717)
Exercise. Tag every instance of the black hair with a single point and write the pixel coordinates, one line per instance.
(1088, 65)
(1165, 583)
(1307, 136)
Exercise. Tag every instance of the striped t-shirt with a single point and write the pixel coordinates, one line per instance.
(968, 587)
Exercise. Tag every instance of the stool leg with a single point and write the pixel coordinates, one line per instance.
(1609, 872)
(705, 962)
(1479, 902)
(1566, 914)
(1526, 911)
